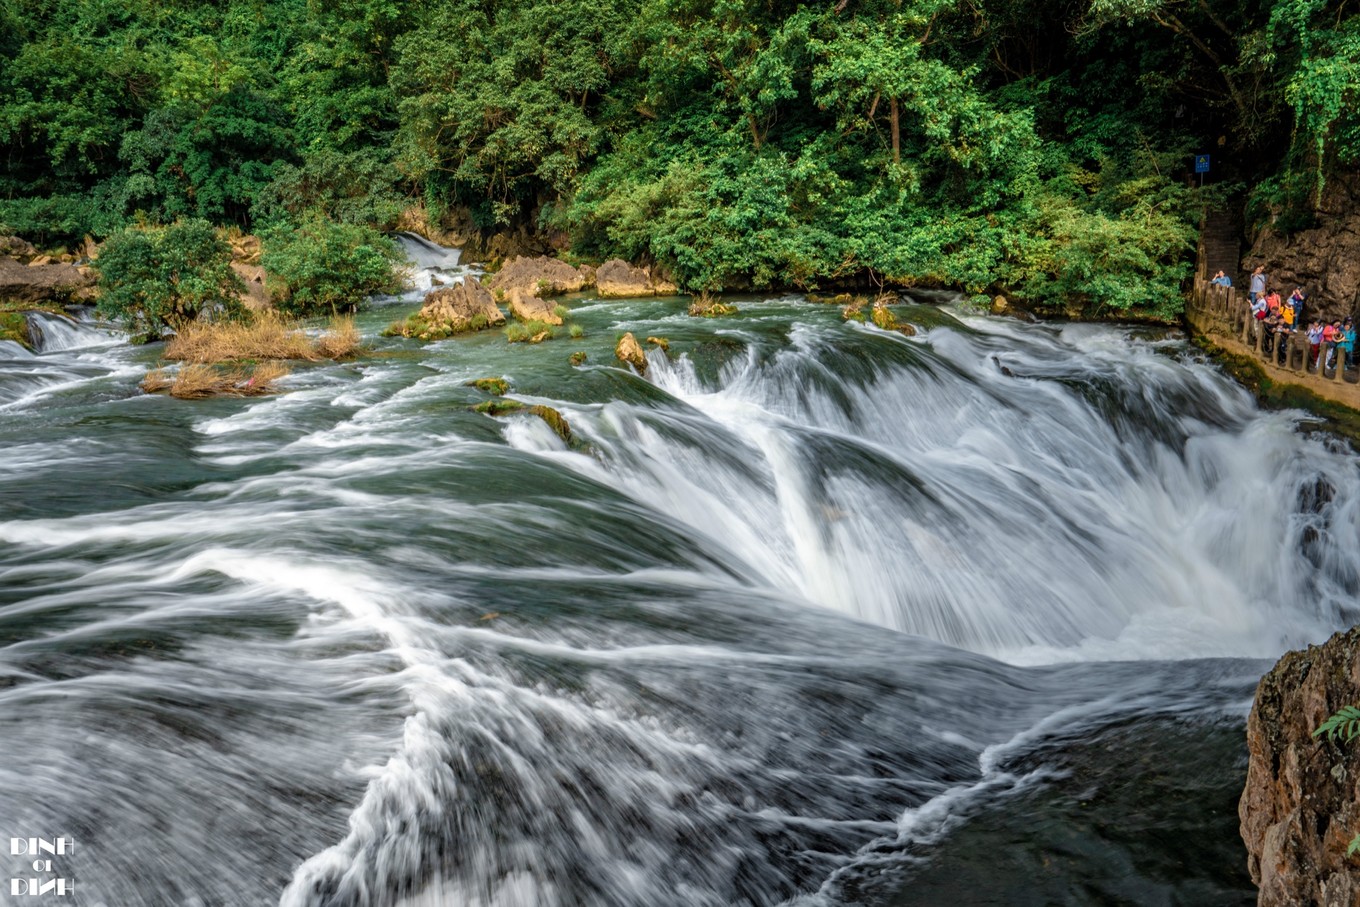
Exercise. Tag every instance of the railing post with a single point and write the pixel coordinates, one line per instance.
(1340, 372)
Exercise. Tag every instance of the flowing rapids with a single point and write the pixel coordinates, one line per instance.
(814, 614)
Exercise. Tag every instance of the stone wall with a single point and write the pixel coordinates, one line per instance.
(1301, 804)
(1325, 259)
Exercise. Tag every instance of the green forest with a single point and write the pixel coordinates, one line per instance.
(1035, 148)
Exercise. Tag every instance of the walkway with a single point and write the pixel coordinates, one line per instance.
(1223, 315)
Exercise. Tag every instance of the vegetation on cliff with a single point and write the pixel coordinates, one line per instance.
(1002, 144)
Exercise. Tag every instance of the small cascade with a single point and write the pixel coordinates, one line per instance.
(432, 265)
(54, 333)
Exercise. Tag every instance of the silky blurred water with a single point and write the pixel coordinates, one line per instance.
(811, 614)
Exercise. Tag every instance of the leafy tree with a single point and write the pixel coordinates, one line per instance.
(324, 267)
(160, 277)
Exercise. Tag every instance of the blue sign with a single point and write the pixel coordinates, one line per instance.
(1201, 163)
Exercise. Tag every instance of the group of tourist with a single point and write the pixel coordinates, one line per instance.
(1280, 319)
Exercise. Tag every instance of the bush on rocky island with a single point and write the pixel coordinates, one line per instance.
(158, 277)
(323, 267)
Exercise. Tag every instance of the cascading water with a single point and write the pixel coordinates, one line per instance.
(432, 266)
(814, 614)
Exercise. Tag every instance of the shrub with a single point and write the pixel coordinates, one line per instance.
(167, 276)
(326, 267)
(529, 331)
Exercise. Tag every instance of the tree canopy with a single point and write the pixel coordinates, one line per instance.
(1042, 149)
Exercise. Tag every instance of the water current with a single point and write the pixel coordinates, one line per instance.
(812, 614)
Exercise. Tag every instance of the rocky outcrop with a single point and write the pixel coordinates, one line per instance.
(256, 294)
(539, 276)
(245, 248)
(467, 306)
(37, 283)
(629, 352)
(1324, 260)
(14, 247)
(616, 279)
(1301, 804)
(527, 307)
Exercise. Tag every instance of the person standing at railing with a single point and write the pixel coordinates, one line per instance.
(1330, 334)
(1314, 343)
(1346, 342)
(1273, 301)
(1258, 282)
(1222, 280)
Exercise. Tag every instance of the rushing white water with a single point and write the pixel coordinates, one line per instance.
(57, 333)
(791, 615)
(432, 265)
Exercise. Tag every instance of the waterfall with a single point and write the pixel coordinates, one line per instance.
(432, 265)
(55, 333)
(812, 614)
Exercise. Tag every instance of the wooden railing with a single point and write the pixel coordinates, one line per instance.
(1226, 311)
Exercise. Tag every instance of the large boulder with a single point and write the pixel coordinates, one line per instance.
(45, 283)
(256, 295)
(467, 306)
(617, 279)
(540, 276)
(1301, 804)
(527, 307)
(629, 352)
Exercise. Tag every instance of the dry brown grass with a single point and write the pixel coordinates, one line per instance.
(340, 339)
(196, 382)
(265, 336)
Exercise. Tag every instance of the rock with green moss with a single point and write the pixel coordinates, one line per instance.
(458, 309)
(554, 419)
(498, 407)
(14, 327)
(578, 358)
(495, 386)
(706, 306)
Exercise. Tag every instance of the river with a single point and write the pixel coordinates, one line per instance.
(813, 614)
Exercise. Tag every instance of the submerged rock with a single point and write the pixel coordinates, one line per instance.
(661, 342)
(495, 386)
(629, 352)
(1301, 804)
(554, 419)
(705, 306)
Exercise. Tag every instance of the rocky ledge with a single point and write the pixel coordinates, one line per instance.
(1301, 805)
(26, 277)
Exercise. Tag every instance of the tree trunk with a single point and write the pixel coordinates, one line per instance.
(896, 132)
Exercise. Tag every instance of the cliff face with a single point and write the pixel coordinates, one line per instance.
(1301, 805)
(1325, 260)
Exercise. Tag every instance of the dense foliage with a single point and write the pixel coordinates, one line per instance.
(1013, 145)
(167, 276)
(324, 267)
